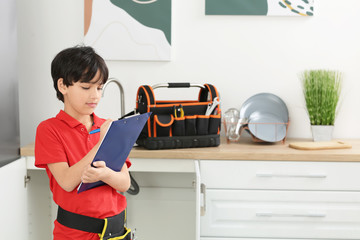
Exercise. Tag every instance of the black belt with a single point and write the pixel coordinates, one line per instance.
(113, 225)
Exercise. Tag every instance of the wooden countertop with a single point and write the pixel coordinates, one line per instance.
(245, 149)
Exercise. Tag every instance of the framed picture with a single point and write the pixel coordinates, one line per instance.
(129, 29)
(260, 7)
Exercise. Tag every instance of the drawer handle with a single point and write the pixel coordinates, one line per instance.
(203, 206)
(271, 214)
(270, 174)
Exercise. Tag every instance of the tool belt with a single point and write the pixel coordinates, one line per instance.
(180, 123)
(111, 228)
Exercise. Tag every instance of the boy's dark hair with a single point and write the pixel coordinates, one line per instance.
(79, 63)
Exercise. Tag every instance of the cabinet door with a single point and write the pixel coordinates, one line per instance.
(13, 203)
(199, 199)
(281, 214)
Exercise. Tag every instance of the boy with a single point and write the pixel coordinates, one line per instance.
(64, 147)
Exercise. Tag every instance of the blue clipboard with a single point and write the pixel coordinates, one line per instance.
(117, 144)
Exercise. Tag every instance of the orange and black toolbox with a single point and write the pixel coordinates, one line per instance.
(180, 123)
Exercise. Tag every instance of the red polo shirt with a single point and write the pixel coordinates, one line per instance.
(64, 139)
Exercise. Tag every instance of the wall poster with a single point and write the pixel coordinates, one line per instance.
(129, 29)
(260, 7)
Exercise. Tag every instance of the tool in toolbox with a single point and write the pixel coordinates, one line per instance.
(212, 106)
(178, 111)
(180, 123)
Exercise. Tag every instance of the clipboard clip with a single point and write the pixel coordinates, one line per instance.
(132, 113)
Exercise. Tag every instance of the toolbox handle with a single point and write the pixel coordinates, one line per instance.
(177, 85)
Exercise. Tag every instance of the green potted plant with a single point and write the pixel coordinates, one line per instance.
(321, 90)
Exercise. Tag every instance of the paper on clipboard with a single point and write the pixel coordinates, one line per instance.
(117, 144)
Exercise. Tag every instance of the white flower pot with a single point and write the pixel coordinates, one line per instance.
(322, 132)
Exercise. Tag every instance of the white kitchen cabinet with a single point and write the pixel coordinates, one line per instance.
(235, 192)
(280, 200)
(26, 205)
(13, 207)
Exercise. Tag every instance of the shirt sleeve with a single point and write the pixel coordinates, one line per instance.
(128, 163)
(48, 146)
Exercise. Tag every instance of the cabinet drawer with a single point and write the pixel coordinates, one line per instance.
(281, 214)
(207, 238)
(216, 238)
(210, 238)
(281, 175)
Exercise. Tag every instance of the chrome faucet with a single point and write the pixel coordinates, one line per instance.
(122, 97)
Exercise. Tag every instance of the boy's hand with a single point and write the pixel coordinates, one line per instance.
(96, 173)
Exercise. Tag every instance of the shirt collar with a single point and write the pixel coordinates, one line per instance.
(72, 122)
(97, 121)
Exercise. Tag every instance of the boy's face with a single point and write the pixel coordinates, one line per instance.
(81, 98)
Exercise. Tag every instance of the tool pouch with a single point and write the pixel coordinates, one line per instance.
(180, 123)
(108, 235)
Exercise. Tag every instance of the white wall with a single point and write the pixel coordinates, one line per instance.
(240, 55)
